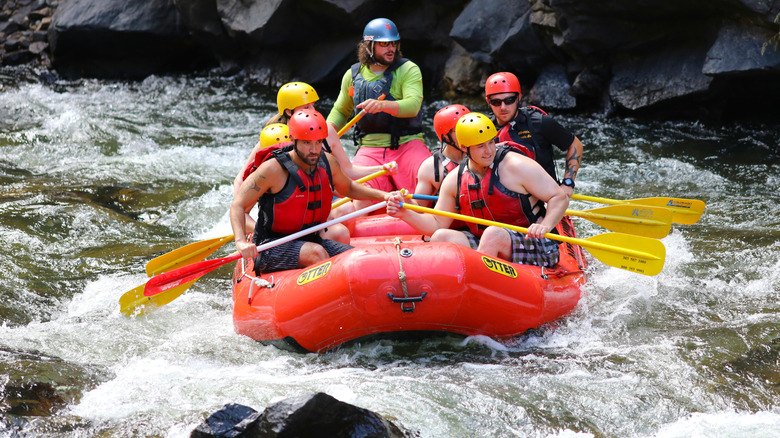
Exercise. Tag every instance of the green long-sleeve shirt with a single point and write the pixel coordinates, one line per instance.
(406, 89)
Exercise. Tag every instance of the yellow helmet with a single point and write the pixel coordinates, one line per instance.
(473, 129)
(274, 133)
(294, 94)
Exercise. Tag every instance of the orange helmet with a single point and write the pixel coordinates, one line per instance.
(503, 82)
(445, 119)
(307, 124)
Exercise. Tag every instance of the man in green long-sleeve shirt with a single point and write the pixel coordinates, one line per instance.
(391, 129)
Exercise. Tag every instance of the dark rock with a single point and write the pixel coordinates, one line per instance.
(462, 74)
(523, 51)
(38, 385)
(40, 13)
(233, 420)
(314, 415)
(590, 82)
(8, 27)
(551, 90)
(746, 41)
(482, 26)
(262, 22)
(204, 23)
(590, 28)
(665, 77)
(322, 415)
(40, 36)
(13, 44)
(324, 59)
(122, 38)
(18, 57)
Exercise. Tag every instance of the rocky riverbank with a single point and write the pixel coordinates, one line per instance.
(662, 58)
(24, 26)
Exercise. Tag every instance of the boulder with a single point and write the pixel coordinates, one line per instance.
(747, 41)
(552, 90)
(316, 414)
(482, 27)
(662, 78)
(122, 38)
(462, 74)
(233, 420)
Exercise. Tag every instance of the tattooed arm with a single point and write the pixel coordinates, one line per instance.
(268, 177)
(573, 161)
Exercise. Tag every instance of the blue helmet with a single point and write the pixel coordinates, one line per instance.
(381, 29)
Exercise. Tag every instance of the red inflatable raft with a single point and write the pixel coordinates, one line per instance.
(400, 283)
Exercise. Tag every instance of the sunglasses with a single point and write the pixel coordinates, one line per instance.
(507, 101)
(387, 43)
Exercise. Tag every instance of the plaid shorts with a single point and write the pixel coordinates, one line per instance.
(285, 256)
(537, 252)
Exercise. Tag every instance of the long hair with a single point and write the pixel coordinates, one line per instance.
(282, 118)
(365, 52)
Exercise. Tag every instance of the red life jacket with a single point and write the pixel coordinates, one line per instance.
(505, 137)
(262, 155)
(449, 166)
(489, 199)
(303, 202)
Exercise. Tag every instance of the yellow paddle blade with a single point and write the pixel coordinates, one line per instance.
(684, 211)
(639, 220)
(632, 253)
(186, 255)
(133, 302)
(625, 251)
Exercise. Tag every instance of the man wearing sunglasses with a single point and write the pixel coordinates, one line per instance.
(532, 128)
(391, 129)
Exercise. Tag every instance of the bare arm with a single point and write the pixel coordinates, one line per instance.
(348, 187)
(258, 183)
(428, 223)
(573, 161)
(240, 176)
(425, 181)
(337, 149)
(523, 175)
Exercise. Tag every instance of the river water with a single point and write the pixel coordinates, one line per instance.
(98, 177)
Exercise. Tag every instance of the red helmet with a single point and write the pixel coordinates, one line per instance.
(503, 82)
(307, 124)
(445, 119)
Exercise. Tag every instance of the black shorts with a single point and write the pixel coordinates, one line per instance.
(285, 256)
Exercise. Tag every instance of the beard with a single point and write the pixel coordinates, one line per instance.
(382, 60)
(309, 160)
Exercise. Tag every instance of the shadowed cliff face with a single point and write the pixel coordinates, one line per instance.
(660, 58)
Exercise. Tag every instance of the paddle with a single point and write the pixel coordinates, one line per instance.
(134, 302)
(684, 211)
(356, 119)
(644, 221)
(188, 254)
(632, 253)
(187, 274)
(344, 200)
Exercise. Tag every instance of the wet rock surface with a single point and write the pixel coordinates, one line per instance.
(658, 58)
(316, 414)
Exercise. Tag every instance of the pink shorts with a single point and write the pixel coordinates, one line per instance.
(409, 156)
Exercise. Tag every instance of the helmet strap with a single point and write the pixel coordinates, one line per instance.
(370, 50)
